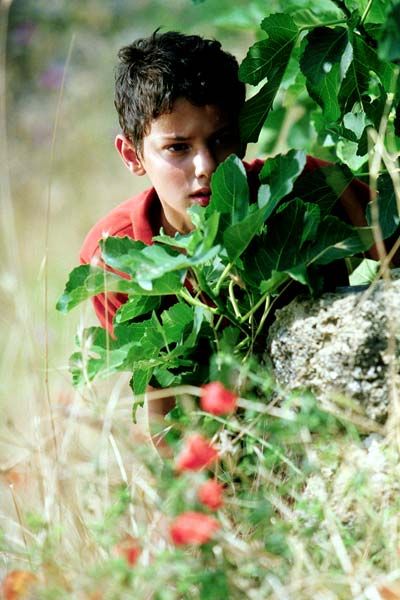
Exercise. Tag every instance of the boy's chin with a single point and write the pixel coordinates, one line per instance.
(200, 200)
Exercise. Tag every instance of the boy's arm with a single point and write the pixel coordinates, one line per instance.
(136, 218)
(105, 305)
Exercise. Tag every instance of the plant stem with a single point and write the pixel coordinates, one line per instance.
(265, 315)
(246, 431)
(221, 318)
(222, 277)
(243, 342)
(233, 300)
(214, 310)
(194, 302)
(254, 308)
(366, 11)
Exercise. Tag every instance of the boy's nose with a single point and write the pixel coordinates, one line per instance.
(204, 164)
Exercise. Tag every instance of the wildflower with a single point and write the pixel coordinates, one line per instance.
(197, 454)
(128, 549)
(216, 399)
(211, 494)
(193, 528)
(18, 585)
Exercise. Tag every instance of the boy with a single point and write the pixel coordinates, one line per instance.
(178, 98)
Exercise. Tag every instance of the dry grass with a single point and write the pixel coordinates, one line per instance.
(67, 457)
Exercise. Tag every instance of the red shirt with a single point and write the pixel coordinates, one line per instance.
(140, 218)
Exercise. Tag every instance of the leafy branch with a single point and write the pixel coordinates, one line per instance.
(228, 274)
(252, 239)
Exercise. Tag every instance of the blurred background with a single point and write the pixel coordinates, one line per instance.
(59, 171)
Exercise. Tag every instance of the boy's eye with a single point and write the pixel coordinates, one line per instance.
(224, 140)
(178, 147)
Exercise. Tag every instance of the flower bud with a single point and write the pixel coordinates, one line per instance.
(197, 454)
(210, 494)
(193, 528)
(216, 399)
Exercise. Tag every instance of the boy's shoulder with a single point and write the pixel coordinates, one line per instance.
(136, 218)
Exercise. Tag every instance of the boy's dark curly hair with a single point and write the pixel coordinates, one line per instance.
(155, 71)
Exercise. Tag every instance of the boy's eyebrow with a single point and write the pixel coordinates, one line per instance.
(173, 136)
(182, 138)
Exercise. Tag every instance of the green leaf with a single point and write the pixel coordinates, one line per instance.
(291, 244)
(150, 266)
(100, 356)
(323, 186)
(256, 110)
(324, 62)
(389, 218)
(214, 585)
(189, 241)
(377, 10)
(312, 219)
(143, 263)
(365, 273)
(270, 57)
(198, 241)
(266, 59)
(199, 318)
(389, 39)
(175, 319)
(86, 281)
(355, 122)
(230, 190)
(336, 239)
(348, 153)
(279, 247)
(355, 85)
(136, 307)
(275, 280)
(299, 273)
(237, 237)
(278, 174)
(140, 380)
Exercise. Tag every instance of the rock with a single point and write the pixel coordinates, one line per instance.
(341, 343)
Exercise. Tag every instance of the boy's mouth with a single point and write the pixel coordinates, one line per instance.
(201, 196)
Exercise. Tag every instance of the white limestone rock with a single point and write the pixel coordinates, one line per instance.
(341, 343)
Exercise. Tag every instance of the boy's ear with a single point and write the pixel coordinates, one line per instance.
(129, 155)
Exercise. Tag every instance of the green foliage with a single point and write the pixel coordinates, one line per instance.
(237, 259)
(389, 218)
(266, 59)
(349, 68)
(243, 253)
(365, 272)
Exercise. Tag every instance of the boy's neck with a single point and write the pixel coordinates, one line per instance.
(166, 225)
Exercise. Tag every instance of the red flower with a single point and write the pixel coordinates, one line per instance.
(197, 454)
(18, 585)
(210, 494)
(193, 528)
(216, 399)
(128, 549)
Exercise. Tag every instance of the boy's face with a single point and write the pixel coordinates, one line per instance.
(179, 154)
